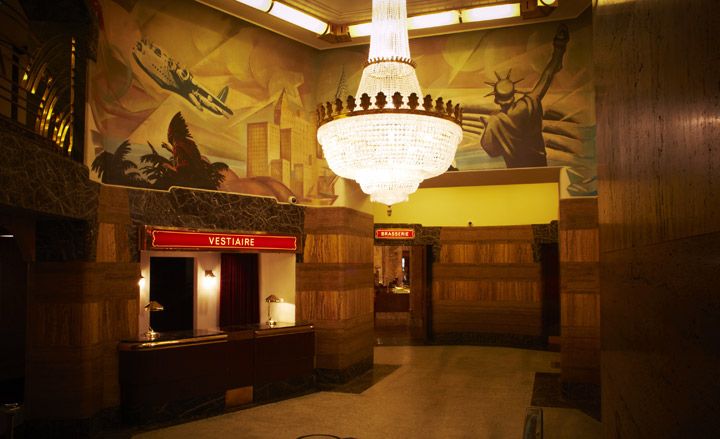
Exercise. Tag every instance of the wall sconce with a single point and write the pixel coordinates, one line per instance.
(209, 279)
(141, 281)
(270, 300)
(152, 306)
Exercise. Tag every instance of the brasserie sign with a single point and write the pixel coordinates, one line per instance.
(394, 233)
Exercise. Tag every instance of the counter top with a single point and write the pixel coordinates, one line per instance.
(171, 339)
(182, 338)
(265, 327)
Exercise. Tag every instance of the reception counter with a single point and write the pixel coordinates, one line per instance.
(189, 374)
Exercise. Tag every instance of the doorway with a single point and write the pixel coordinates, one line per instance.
(550, 266)
(172, 284)
(401, 294)
(239, 289)
(13, 319)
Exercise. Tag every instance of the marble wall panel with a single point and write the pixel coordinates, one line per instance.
(35, 176)
(63, 239)
(209, 210)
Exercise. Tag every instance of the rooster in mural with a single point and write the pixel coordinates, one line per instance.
(186, 167)
(172, 76)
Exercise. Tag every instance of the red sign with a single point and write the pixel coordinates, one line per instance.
(221, 241)
(394, 234)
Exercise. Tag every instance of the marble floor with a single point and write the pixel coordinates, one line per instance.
(413, 392)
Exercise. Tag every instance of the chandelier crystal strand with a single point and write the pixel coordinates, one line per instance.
(388, 137)
(389, 36)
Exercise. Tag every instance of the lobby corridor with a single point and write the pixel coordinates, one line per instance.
(414, 392)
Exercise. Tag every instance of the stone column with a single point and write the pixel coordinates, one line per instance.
(81, 304)
(335, 290)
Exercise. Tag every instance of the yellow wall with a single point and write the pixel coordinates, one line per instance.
(483, 205)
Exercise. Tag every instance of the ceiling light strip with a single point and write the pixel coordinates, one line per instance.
(488, 13)
(446, 18)
(298, 18)
(263, 5)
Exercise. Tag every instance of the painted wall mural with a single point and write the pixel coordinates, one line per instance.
(183, 95)
(527, 94)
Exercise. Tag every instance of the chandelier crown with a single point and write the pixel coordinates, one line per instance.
(389, 140)
(330, 111)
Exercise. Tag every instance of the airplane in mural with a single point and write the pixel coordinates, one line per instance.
(171, 75)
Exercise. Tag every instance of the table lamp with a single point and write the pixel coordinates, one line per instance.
(152, 307)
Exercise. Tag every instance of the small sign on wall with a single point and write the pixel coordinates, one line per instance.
(394, 234)
(178, 239)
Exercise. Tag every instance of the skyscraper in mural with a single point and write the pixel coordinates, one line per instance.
(263, 146)
(281, 144)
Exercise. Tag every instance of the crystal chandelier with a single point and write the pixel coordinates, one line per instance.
(391, 139)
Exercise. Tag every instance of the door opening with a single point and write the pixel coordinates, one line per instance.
(550, 265)
(239, 289)
(401, 294)
(13, 319)
(172, 284)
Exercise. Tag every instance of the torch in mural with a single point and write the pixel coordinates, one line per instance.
(515, 131)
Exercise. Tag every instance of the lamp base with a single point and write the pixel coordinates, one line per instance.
(151, 334)
(271, 323)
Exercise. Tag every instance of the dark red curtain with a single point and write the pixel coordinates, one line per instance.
(239, 289)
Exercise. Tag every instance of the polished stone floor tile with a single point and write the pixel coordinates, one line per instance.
(432, 392)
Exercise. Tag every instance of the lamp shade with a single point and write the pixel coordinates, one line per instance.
(154, 306)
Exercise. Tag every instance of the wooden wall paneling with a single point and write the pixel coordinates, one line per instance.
(327, 248)
(579, 291)
(521, 291)
(486, 282)
(474, 234)
(333, 305)
(487, 318)
(343, 344)
(113, 216)
(420, 289)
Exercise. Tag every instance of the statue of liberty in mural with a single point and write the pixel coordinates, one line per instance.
(515, 132)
